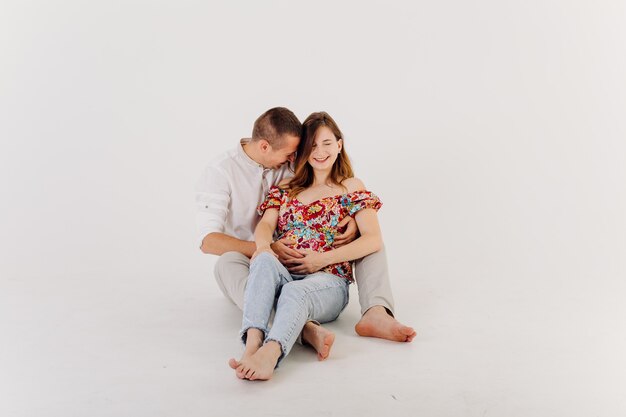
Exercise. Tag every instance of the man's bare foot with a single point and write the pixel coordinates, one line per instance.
(320, 338)
(254, 341)
(260, 366)
(376, 322)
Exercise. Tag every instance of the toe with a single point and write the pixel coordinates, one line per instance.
(233, 363)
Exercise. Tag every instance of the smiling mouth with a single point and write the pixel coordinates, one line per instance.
(320, 160)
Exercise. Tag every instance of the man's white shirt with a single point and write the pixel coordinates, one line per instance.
(229, 191)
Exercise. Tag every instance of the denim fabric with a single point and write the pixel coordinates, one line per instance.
(371, 273)
(318, 297)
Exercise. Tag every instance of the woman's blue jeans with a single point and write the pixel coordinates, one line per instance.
(318, 297)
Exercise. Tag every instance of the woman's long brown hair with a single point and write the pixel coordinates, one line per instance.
(303, 177)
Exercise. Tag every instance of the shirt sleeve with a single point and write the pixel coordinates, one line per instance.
(359, 200)
(273, 200)
(212, 202)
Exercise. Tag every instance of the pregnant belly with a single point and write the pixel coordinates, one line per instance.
(309, 239)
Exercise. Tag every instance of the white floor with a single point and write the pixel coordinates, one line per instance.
(159, 345)
(493, 131)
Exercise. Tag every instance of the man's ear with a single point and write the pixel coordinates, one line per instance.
(264, 145)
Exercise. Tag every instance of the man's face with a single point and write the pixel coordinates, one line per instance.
(275, 158)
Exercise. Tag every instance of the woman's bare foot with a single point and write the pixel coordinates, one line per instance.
(320, 338)
(254, 341)
(376, 322)
(260, 366)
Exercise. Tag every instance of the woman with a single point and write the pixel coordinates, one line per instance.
(305, 210)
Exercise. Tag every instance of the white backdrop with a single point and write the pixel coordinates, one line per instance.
(494, 132)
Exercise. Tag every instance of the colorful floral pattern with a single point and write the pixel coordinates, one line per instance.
(314, 226)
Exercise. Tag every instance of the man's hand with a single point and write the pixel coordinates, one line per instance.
(311, 262)
(286, 254)
(350, 234)
(261, 249)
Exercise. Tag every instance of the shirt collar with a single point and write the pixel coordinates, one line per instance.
(244, 156)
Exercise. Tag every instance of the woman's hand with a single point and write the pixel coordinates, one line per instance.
(261, 249)
(311, 262)
(285, 253)
(350, 234)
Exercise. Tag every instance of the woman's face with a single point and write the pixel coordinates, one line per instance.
(326, 147)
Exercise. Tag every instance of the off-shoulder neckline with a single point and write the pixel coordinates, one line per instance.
(332, 197)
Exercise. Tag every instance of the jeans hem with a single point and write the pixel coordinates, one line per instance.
(243, 335)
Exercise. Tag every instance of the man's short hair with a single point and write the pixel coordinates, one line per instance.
(274, 124)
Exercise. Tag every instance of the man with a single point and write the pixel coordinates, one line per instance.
(228, 194)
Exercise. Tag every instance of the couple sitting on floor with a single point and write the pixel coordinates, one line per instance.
(315, 210)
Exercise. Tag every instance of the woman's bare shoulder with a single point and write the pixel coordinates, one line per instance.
(353, 184)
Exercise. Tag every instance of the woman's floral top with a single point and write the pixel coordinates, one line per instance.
(313, 226)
